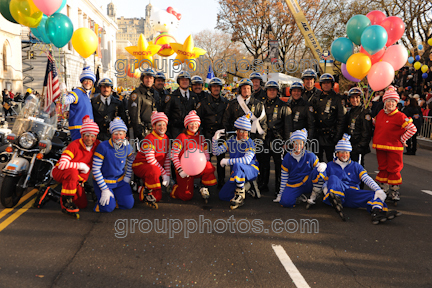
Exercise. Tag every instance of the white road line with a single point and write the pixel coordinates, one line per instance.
(427, 192)
(289, 266)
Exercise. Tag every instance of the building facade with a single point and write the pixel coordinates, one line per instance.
(11, 76)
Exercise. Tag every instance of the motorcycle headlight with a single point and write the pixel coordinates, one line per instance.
(27, 140)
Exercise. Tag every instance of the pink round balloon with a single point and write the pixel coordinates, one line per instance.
(48, 7)
(395, 28)
(375, 57)
(346, 74)
(193, 162)
(380, 75)
(396, 55)
(376, 17)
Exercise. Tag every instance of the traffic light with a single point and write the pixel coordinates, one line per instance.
(30, 55)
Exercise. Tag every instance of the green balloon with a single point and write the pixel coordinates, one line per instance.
(4, 10)
(59, 29)
(355, 27)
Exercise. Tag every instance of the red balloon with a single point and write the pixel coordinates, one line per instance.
(376, 17)
(395, 28)
(375, 57)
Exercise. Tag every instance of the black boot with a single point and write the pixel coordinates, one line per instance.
(337, 205)
(68, 207)
(378, 216)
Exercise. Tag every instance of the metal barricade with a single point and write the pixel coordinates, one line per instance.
(426, 130)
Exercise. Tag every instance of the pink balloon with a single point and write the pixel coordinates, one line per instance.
(375, 57)
(395, 28)
(193, 162)
(380, 75)
(376, 17)
(396, 55)
(346, 74)
(48, 7)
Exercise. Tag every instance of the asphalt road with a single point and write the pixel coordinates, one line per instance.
(164, 248)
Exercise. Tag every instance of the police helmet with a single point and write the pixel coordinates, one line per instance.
(354, 91)
(309, 73)
(160, 75)
(215, 81)
(272, 84)
(183, 74)
(326, 77)
(105, 82)
(147, 72)
(196, 80)
(256, 75)
(296, 85)
(245, 81)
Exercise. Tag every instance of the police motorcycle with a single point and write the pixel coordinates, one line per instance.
(33, 151)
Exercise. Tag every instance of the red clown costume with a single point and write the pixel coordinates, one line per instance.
(191, 141)
(392, 130)
(153, 161)
(74, 165)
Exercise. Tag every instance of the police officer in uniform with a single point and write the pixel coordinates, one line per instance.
(211, 110)
(142, 103)
(197, 85)
(279, 127)
(302, 111)
(359, 126)
(329, 117)
(258, 82)
(309, 76)
(106, 107)
(159, 86)
(179, 104)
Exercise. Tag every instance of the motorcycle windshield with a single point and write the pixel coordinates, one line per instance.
(37, 119)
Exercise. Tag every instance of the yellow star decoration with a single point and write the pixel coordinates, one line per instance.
(187, 51)
(143, 51)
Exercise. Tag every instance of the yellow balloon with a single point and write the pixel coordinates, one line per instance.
(424, 68)
(417, 65)
(430, 42)
(25, 12)
(358, 65)
(85, 42)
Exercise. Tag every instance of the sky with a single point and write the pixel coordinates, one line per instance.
(197, 15)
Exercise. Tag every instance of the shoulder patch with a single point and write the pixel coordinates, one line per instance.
(311, 109)
(368, 117)
(167, 98)
(134, 96)
(198, 106)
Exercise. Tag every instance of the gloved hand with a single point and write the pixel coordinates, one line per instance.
(105, 197)
(83, 168)
(183, 174)
(165, 180)
(218, 134)
(127, 179)
(380, 194)
(224, 162)
(321, 167)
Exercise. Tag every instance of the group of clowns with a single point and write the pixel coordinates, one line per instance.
(303, 177)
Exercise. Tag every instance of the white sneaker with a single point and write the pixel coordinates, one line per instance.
(278, 198)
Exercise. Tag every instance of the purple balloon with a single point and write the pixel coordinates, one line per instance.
(347, 75)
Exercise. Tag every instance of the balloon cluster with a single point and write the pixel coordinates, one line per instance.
(47, 24)
(417, 65)
(378, 58)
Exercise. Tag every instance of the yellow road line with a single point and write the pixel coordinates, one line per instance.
(28, 195)
(17, 214)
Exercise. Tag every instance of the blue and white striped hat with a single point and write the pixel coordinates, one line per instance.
(344, 144)
(299, 135)
(244, 122)
(87, 74)
(117, 125)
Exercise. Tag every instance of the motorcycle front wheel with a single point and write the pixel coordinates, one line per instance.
(10, 193)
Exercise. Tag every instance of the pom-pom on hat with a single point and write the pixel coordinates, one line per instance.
(89, 126)
(117, 125)
(391, 94)
(158, 116)
(191, 117)
(299, 135)
(244, 122)
(344, 144)
(87, 74)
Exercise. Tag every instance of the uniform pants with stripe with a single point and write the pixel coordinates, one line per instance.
(70, 178)
(293, 191)
(240, 174)
(122, 195)
(150, 175)
(390, 164)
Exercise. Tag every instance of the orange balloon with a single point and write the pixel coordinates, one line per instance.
(358, 65)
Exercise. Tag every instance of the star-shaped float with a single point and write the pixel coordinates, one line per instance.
(143, 51)
(187, 51)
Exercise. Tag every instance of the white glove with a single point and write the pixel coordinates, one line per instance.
(165, 180)
(105, 197)
(380, 194)
(321, 167)
(83, 168)
(183, 174)
(127, 179)
(224, 162)
(218, 134)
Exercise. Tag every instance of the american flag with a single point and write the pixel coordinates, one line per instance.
(51, 82)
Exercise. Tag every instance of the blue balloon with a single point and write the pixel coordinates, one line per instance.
(62, 6)
(417, 58)
(420, 47)
(410, 60)
(425, 75)
(374, 38)
(39, 32)
(341, 49)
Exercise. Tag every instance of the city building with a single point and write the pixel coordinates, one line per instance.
(11, 77)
